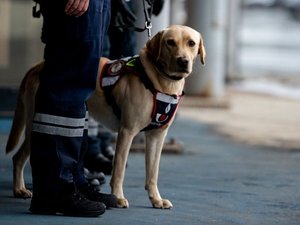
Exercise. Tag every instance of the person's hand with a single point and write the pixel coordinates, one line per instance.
(76, 7)
(121, 14)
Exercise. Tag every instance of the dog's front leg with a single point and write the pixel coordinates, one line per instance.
(154, 144)
(124, 141)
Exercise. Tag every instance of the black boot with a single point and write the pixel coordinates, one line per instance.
(69, 203)
(90, 193)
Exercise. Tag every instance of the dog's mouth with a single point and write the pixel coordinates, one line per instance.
(183, 70)
(174, 77)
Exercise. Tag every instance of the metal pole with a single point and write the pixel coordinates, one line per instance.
(210, 18)
(234, 21)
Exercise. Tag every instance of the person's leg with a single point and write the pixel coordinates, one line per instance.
(72, 51)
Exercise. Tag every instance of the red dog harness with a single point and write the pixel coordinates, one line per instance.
(164, 105)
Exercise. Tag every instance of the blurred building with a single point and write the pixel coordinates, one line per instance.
(245, 39)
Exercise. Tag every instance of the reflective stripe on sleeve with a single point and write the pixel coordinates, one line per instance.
(58, 125)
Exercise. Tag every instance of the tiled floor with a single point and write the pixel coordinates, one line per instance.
(215, 181)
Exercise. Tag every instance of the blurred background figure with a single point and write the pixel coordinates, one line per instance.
(99, 158)
(121, 41)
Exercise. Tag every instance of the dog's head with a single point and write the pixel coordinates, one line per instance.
(175, 49)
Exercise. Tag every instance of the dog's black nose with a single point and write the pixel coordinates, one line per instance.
(182, 62)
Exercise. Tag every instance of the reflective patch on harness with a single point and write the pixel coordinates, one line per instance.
(115, 67)
(109, 81)
(164, 108)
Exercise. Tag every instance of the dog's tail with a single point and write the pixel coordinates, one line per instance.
(18, 124)
(29, 82)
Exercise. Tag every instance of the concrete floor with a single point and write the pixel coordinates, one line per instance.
(215, 181)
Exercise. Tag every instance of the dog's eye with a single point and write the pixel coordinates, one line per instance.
(171, 42)
(191, 43)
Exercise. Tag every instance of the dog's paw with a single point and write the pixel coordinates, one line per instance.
(161, 204)
(22, 193)
(122, 203)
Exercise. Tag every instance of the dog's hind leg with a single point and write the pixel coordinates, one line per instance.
(19, 162)
(21, 157)
(154, 143)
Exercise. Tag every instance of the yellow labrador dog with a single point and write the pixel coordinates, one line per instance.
(163, 64)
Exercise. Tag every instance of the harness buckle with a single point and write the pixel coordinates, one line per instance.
(36, 10)
(148, 26)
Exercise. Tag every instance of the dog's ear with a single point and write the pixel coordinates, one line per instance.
(153, 46)
(201, 51)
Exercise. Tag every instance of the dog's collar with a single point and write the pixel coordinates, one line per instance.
(146, 80)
